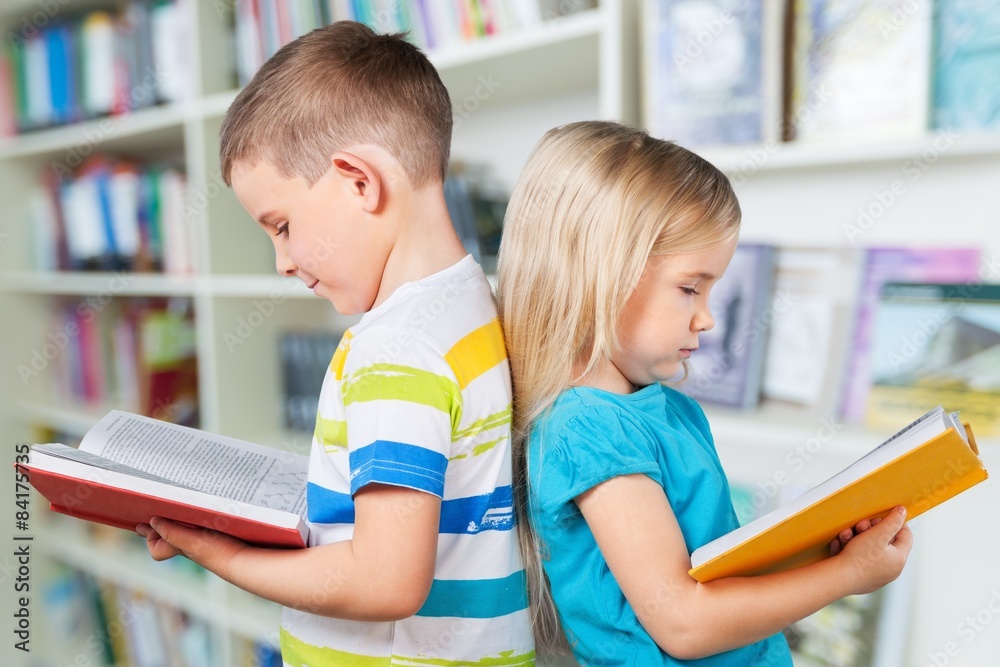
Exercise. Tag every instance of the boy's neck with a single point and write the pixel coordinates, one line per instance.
(425, 241)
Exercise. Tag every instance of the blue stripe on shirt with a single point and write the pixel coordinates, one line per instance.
(471, 515)
(326, 506)
(399, 464)
(475, 514)
(477, 598)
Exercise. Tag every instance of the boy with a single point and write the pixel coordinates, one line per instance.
(338, 148)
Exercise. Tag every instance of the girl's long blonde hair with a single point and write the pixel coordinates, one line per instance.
(595, 201)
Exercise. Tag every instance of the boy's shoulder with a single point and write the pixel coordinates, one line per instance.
(450, 314)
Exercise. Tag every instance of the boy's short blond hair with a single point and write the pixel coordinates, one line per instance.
(334, 87)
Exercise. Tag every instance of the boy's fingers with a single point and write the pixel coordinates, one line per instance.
(863, 525)
(846, 535)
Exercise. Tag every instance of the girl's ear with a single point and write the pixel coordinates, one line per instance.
(361, 177)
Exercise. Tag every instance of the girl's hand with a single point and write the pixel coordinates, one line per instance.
(876, 552)
(844, 536)
(166, 539)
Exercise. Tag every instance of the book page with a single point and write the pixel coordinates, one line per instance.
(80, 456)
(224, 467)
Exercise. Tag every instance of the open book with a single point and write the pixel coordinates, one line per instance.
(130, 468)
(921, 466)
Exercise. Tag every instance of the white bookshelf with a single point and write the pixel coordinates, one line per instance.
(583, 66)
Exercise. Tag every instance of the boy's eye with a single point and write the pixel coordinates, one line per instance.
(282, 229)
(690, 291)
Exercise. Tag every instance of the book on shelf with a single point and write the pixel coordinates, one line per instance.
(859, 70)
(112, 214)
(98, 63)
(937, 343)
(712, 70)
(880, 266)
(264, 26)
(967, 65)
(921, 466)
(814, 296)
(305, 358)
(130, 468)
(727, 369)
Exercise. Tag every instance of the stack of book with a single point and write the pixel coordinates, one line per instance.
(95, 64)
(112, 214)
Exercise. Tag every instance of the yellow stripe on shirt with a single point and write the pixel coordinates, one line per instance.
(476, 353)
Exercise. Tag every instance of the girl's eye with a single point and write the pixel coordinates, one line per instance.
(282, 229)
(690, 291)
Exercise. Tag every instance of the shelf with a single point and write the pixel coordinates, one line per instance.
(251, 286)
(74, 421)
(550, 33)
(99, 283)
(149, 128)
(566, 46)
(784, 156)
(135, 570)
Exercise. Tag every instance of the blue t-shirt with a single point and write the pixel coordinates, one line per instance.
(588, 437)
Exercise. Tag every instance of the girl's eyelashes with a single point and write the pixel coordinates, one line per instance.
(690, 291)
(282, 229)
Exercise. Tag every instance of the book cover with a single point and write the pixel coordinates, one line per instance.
(130, 468)
(967, 65)
(937, 344)
(882, 265)
(923, 465)
(860, 70)
(728, 365)
(811, 315)
(704, 71)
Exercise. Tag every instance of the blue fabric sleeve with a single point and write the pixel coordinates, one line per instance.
(598, 443)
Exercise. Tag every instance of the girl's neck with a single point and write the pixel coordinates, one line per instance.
(606, 377)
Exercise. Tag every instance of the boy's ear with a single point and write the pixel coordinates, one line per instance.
(363, 178)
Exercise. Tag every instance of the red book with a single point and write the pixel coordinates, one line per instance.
(130, 468)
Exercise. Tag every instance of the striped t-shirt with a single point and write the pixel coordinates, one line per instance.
(418, 395)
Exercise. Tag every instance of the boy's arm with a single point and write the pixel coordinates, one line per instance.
(647, 555)
(383, 573)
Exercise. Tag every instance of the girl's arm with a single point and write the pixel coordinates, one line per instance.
(642, 543)
(383, 573)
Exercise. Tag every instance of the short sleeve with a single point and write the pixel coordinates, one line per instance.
(401, 402)
(595, 445)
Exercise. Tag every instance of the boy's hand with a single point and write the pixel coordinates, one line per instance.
(844, 536)
(877, 551)
(166, 539)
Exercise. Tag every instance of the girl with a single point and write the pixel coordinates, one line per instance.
(612, 243)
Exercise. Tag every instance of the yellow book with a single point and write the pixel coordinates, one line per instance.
(931, 460)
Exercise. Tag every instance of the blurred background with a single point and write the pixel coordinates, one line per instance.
(863, 140)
